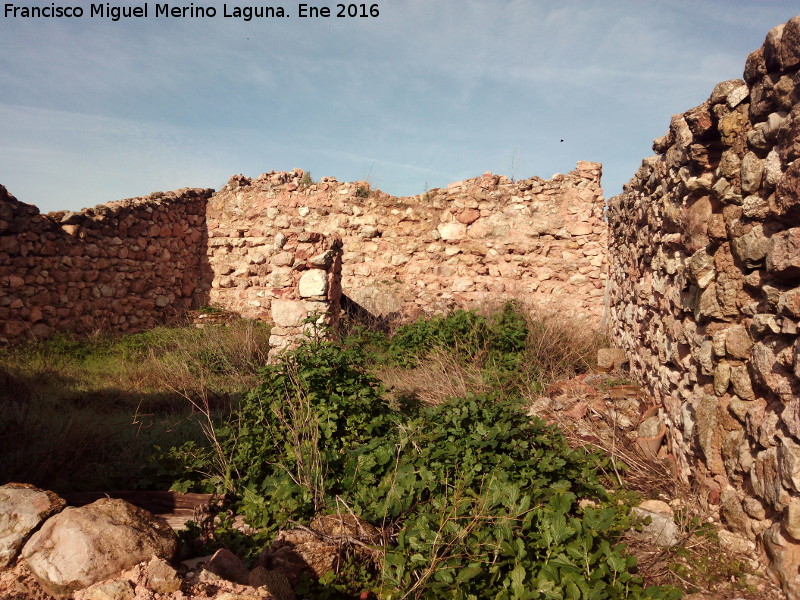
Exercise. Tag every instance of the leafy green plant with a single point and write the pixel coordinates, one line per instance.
(362, 191)
(475, 498)
(467, 333)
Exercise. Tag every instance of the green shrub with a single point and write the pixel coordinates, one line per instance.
(306, 180)
(477, 499)
(466, 333)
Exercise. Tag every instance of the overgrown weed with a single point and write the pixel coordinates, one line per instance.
(81, 414)
(475, 498)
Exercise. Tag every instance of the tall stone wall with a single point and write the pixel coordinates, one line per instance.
(120, 266)
(705, 293)
(472, 244)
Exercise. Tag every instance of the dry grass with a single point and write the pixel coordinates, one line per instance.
(701, 562)
(651, 477)
(202, 365)
(555, 348)
(558, 347)
(86, 414)
(441, 375)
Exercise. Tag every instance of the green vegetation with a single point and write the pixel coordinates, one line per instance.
(473, 498)
(86, 414)
(306, 180)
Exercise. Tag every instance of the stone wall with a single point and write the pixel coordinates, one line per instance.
(255, 246)
(120, 266)
(473, 244)
(705, 293)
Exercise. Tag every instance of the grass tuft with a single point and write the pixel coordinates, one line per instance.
(86, 414)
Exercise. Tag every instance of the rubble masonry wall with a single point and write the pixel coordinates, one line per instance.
(472, 244)
(255, 246)
(122, 266)
(704, 288)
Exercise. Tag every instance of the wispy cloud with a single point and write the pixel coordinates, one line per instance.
(426, 92)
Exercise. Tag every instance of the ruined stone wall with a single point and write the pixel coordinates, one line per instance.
(258, 247)
(120, 266)
(705, 293)
(473, 244)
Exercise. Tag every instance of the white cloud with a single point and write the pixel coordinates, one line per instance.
(428, 91)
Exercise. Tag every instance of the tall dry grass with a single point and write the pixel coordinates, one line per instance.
(440, 376)
(556, 347)
(86, 414)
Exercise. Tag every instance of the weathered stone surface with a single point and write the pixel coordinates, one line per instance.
(791, 519)
(288, 313)
(161, 577)
(723, 89)
(249, 243)
(772, 48)
(789, 460)
(791, 417)
(790, 44)
(752, 172)
(125, 265)
(704, 299)
(23, 508)
(452, 231)
(738, 342)
(313, 282)
(787, 195)
(785, 556)
(784, 251)
(661, 530)
(701, 268)
(751, 248)
(297, 551)
(227, 565)
(769, 369)
(81, 546)
(116, 589)
(722, 378)
(274, 580)
(765, 478)
(468, 217)
(611, 358)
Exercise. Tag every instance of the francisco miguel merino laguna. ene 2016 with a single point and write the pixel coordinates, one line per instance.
(115, 13)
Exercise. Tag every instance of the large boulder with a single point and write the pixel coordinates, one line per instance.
(23, 508)
(81, 546)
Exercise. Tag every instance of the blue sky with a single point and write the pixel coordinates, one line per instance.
(429, 92)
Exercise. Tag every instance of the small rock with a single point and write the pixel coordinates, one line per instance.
(161, 577)
(82, 546)
(791, 518)
(662, 530)
(609, 359)
(452, 231)
(649, 427)
(785, 557)
(314, 282)
(116, 589)
(227, 565)
(468, 216)
(276, 583)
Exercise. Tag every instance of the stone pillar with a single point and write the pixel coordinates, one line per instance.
(308, 296)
